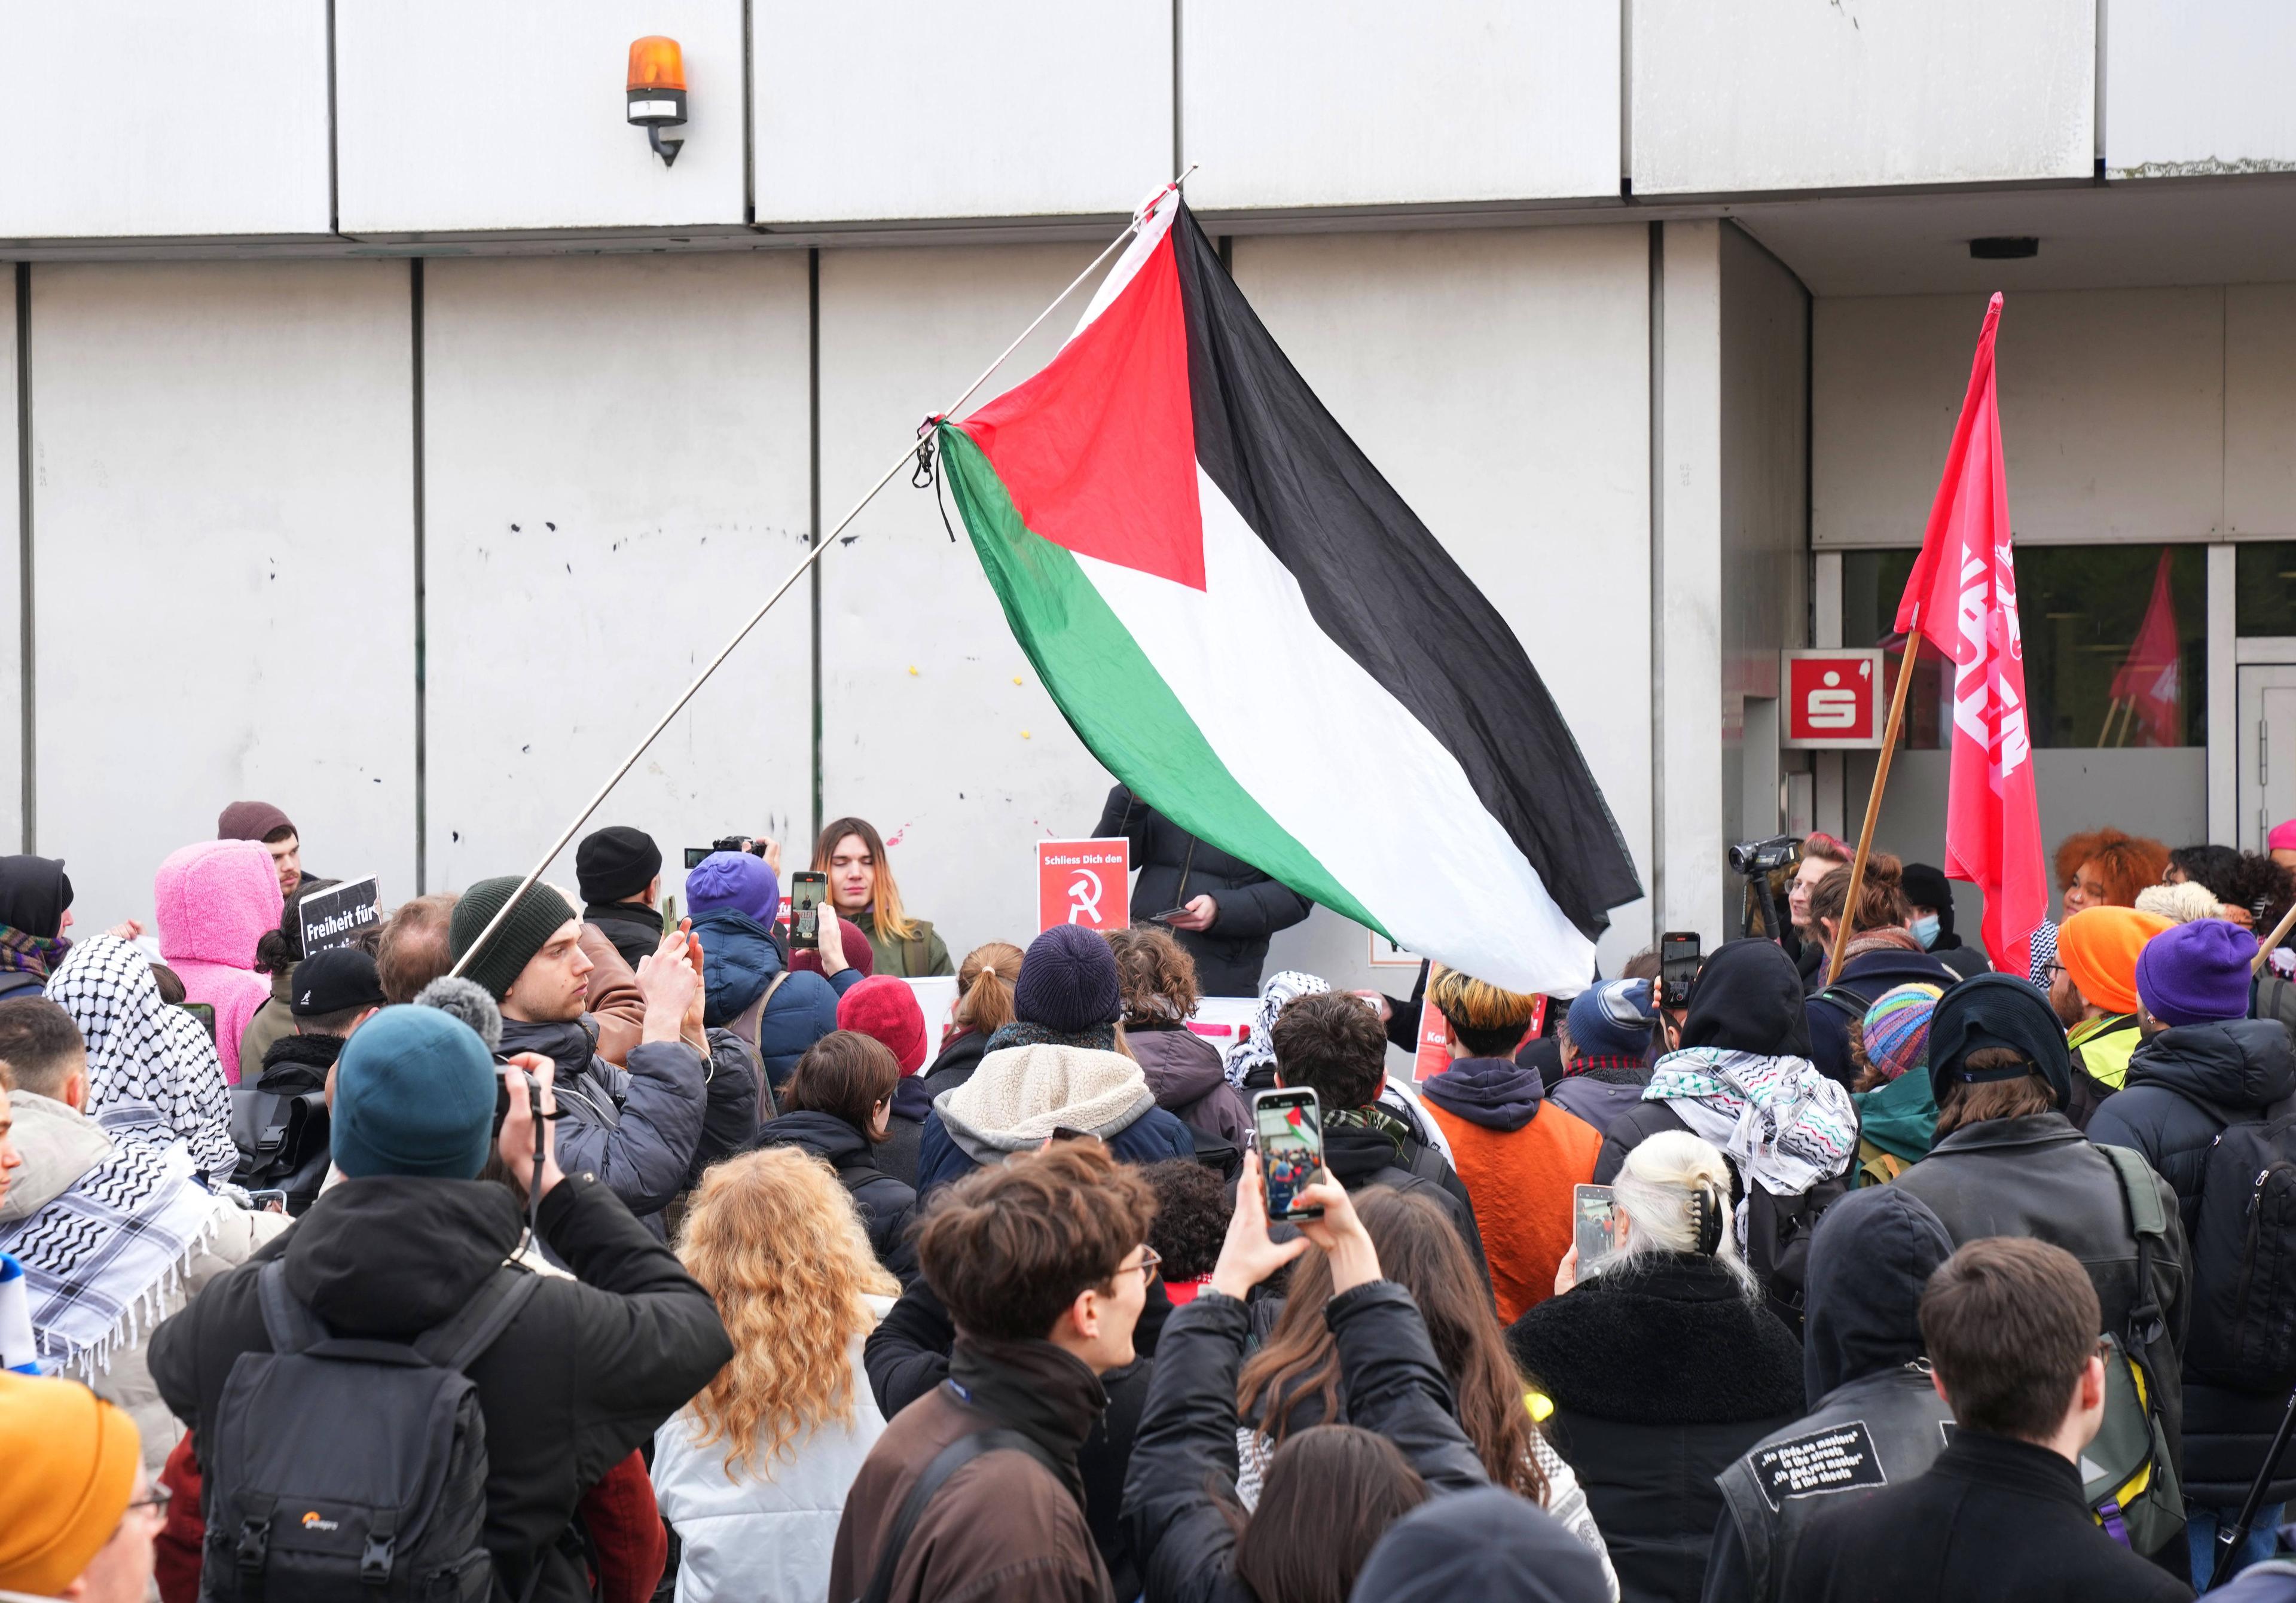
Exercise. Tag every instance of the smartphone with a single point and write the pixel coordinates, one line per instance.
(268, 1202)
(807, 892)
(694, 855)
(1594, 1219)
(1678, 956)
(1168, 914)
(204, 1012)
(1291, 1130)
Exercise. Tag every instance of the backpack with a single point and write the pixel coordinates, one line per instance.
(945, 1463)
(2242, 1333)
(283, 1140)
(1778, 1231)
(2138, 1496)
(353, 1469)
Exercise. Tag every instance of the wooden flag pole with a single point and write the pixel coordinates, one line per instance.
(1874, 797)
(2264, 948)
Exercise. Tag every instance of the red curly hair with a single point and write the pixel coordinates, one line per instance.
(2126, 864)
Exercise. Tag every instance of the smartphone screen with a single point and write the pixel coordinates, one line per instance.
(807, 892)
(1291, 1130)
(1678, 956)
(1596, 1219)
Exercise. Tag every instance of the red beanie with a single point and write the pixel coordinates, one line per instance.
(886, 1010)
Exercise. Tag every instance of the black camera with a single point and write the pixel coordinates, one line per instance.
(1752, 858)
(724, 843)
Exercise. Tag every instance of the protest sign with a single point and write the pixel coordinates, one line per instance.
(337, 915)
(1434, 1054)
(1086, 882)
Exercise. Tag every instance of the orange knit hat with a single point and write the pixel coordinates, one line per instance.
(2099, 945)
(71, 1467)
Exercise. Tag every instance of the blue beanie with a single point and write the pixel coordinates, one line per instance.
(735, 880)
(1614, 1020)
(2196, 973)
(415, 1094)
(1068, 981)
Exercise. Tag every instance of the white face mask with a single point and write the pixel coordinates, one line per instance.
(1925, 931)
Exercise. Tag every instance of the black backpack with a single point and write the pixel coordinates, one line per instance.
(283, 1138)
(2242, 1333)
(353, 1469)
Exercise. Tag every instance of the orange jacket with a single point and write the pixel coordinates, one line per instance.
(1521, 1180)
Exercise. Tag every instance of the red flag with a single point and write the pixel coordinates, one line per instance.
(1963, 599)
(2150, 676)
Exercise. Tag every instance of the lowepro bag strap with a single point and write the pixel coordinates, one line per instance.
(946, 1463)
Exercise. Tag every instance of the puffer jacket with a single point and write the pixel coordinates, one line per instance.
(2185, 1086)
(1019, 1095)
(1184, 1459)
(739, 960)
(1874, 1418)
(1175, 868)
(214, 900)
(1662, 1372)
(887, 1207)
(1190, 1081)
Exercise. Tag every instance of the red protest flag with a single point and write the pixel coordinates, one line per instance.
(2150, 679)
(1963, 598)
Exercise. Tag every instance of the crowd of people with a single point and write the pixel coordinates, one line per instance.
(637, 1243)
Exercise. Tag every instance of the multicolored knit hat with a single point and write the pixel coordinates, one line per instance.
(1896, 1029)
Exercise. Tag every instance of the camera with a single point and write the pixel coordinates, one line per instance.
(724, 843)
(1752, 858)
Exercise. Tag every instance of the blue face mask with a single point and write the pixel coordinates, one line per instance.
(1925, 931)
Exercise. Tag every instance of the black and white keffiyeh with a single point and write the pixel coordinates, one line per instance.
(152, 1075)
(1257, 1049)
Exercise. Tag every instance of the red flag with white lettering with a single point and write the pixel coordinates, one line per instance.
(2148, 679)
(1963, 598)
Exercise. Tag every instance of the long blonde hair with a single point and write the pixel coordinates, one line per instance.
(884, 896)
(773, 1236)
(984, 986)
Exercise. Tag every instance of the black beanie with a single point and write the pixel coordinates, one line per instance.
(615, 863)
(539, 915)
(1748, 998)
(1926, 886)
(1998, 1011)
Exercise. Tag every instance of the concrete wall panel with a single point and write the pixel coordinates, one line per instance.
(905, 108)
(1288, 103)
(617, 476)
(2259, 460)
(224, 566)
(473, 115)
(2112, 413)
(11, 615)
(2198, 90)
(1782, 95)
(199, 117)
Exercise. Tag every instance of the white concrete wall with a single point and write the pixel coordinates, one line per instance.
(2115, 413)
(654, 410)
(2194, 90)
(224, 573)
(2260, 410)
(909, 108)
(197, 116)
(473, 115)
(1292, 102)
(1785, 94)
(11, 615)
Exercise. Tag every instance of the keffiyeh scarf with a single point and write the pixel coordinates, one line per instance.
(152, 1075)
(105, 1261)
(1257, 1049)
(1783, 1125)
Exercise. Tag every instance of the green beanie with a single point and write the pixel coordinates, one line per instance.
(540, 914)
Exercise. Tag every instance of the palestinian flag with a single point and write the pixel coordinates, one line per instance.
(1244, 623)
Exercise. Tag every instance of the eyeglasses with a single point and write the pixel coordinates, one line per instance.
(1149, 1259)
(156, 1500)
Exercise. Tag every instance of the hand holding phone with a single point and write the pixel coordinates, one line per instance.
(1249, 1256)
(1679, 957)
(1289, 1125)
(1594, 1226)
(807, 891)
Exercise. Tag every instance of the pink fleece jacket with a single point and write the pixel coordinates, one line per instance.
(215, 899)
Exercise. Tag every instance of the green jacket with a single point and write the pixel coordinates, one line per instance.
(1895, 1121)
(919, 957)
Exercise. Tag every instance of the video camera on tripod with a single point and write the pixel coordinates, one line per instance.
(1758, 860)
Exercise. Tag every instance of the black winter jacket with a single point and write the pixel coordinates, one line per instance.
(2039, 1177)
(1175, 867)
(1662, 1373)
(634, 927)
(2185, 1085)
(955, 1064)
(586, 1372)
(1359, 1159)
(1867, 975)
(1182, 1483)
(887, 1207)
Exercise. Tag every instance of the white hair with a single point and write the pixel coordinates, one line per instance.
(1656, 1189)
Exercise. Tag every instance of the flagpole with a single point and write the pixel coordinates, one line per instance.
(2279, 930)
(908, 455)
(1873, 797)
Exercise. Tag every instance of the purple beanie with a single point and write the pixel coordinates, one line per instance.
(1068, 981)
(735, 880)
(2196, 973)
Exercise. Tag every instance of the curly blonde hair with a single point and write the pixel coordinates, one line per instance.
(773, 1236)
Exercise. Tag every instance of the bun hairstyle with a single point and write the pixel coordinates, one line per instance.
(1881, 902)
(1675, 1191)
(984, 986)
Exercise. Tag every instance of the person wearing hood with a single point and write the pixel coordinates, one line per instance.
(1875, 1419)
(1606, 1050)
(1183, 1069)
(2007, 1162)
(1055, 1068)
(1519, 1157)
(749, 988)
(1929, 898)
(36, 897)
(1881, 955)
(837, 1108)
(618, 869)
(2093, 987)
(1896, 1113)
(1486, 1543)
(111, 1236)
(215, 899)
(886, 1010)
(583, 1373)
(2203, 1067)
(1742, 1078)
